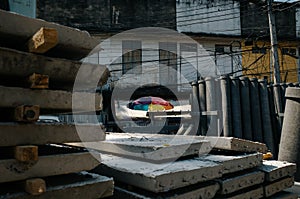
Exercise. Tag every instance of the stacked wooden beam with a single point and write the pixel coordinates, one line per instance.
(233, 169)
(34, 163)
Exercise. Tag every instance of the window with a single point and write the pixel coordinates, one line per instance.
(258, 50)
(168, 63)
(289, 51)
(131, 56)
(188, 64)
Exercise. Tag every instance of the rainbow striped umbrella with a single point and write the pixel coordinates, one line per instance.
(150, 103)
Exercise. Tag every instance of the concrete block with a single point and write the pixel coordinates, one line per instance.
(158, 177)
(239, 182)
(278, 186)
(75, 186)
(149, 147)
(275, 170)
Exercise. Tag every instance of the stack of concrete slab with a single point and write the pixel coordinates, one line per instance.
(216, 173)
(34, 163)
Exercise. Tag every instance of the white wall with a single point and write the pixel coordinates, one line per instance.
(208, 16)
(111, 56)
(298, 22)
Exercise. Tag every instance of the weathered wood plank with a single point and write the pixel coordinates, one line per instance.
(26, 153)
(149, 147)
(19, 64)
(58, 101)
(13, 170)
(75, 186)
(73, 43)
(13, 134)
(158, 177)
(239, 182)
(26, 113)
(235, 163)
(43, 40)
(278, 186)
(36, 186)
(275, 170)
(38, 81)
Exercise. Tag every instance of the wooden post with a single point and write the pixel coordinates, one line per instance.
(43, 40)
(38, 81)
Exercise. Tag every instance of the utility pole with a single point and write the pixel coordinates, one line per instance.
(274, 44)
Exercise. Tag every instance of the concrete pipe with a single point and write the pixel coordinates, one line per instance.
(283, 87)
(195, 108)
(289, 149)
(211, 99)
(266, 116)
(226, 106)
(202, 107)
(246, 108)
(236, 108)
(255, 111)
(278, 110)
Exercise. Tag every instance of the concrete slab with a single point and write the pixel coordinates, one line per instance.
(235, 163)
(235, 144)
(75, 186)
(191, 192)
(284, 195)
(18, 65)
(52, 161)
(278, 186)
(54, 100)
(13, 134)
(149, 147)
(245, 194)
(158, 177)
(73, 43)
(295, 189)
(239, 182)
(275, 170)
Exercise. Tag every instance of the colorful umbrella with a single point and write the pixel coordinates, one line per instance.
(150, 104)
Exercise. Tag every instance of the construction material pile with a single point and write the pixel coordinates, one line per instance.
(144, 166)
(34, 81)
